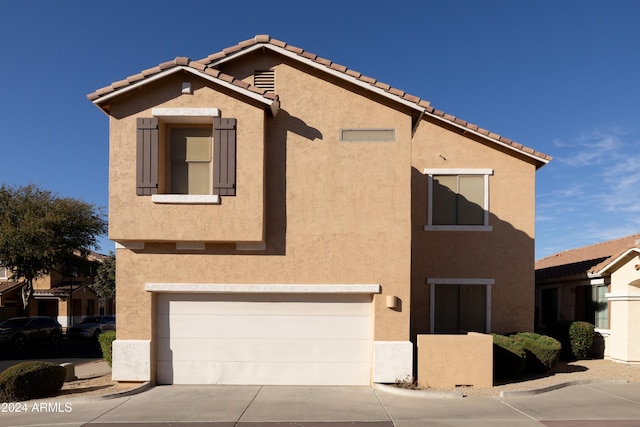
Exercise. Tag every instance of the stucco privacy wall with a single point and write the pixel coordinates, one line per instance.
(505, 254)
(335, 212)
(238, 218)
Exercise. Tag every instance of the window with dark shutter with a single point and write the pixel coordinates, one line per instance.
(224, 169)
(147, 157)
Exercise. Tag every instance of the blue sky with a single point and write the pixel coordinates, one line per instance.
(559, 76)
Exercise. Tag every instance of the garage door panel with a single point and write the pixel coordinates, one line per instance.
(269, 350)
(264, 339)
(239, 326)
(262, 373)
(269, 304)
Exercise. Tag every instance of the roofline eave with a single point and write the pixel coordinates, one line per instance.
(269, 103)
(542, 160)
(322, 68)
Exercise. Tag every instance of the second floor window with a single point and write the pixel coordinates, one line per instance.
(190, 161)
(458, 199)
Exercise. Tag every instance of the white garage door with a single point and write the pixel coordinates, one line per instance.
(264, 339)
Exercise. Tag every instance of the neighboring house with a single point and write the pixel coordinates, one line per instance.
(68, 297)
(282, 219)
(599, 284)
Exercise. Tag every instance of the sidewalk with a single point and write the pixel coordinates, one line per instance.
(615, 405)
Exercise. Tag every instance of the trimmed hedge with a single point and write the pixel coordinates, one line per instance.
(106, 342)
(509, 357)
(543, 352)
(581, 339)
(31, 380)
(576, 338)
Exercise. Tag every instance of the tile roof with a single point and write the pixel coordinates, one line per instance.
(178, 62)
(586, 260)
(60, 291)
(208, 64)
(8, 286)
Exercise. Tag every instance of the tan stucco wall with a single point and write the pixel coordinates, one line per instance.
(238, 218)
(335, 212)
(455, 360)
(505, 254)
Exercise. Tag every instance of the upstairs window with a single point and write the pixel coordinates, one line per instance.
(186, 163)
(190, 161)
(458, 199)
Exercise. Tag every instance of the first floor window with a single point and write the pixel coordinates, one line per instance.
(459, 307)
(600, 307)
(3, 273)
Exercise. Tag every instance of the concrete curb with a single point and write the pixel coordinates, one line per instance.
(523, 393)
(126, 393)
(417, 393)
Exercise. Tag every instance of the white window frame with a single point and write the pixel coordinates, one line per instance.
(486, 172)
(432, 282)
(4, 273)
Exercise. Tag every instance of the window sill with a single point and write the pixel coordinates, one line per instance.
(603, 332)
(186, 199)
(458, 228)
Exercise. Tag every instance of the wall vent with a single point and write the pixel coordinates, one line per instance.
(265, 79)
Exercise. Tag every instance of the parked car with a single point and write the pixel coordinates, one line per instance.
(18, 332)
(92, 327)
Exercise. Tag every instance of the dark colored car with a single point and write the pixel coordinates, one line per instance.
(18, 332)
(92, 327)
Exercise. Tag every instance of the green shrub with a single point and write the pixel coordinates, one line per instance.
(106, 341)
(581, 339)
(509, 357)
(31, 380)
(543, 351)
(576, 338)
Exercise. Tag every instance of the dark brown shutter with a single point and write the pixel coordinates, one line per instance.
(147, 157)
(224, 155)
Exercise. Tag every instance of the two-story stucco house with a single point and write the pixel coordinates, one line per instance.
(282, 219)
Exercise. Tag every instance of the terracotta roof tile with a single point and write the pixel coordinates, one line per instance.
(135, 78)
(181, 60)
(353, 73)
(412, 98)
(367, 79)
(338, 67)
(197, 65)
(266, 39)
(309, 55)
(584, 260)
(168, 64)
(323, 61)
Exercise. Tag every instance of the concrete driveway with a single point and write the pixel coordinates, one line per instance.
(616, 405)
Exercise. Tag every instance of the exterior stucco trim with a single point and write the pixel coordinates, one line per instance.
(186, 115)
(622, 297)
(195, 199)
(263, 288)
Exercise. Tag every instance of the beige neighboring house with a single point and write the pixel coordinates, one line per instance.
(283, 219)
(66, 297)
(599, 284)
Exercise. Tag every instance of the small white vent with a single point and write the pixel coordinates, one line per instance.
(265, 80)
